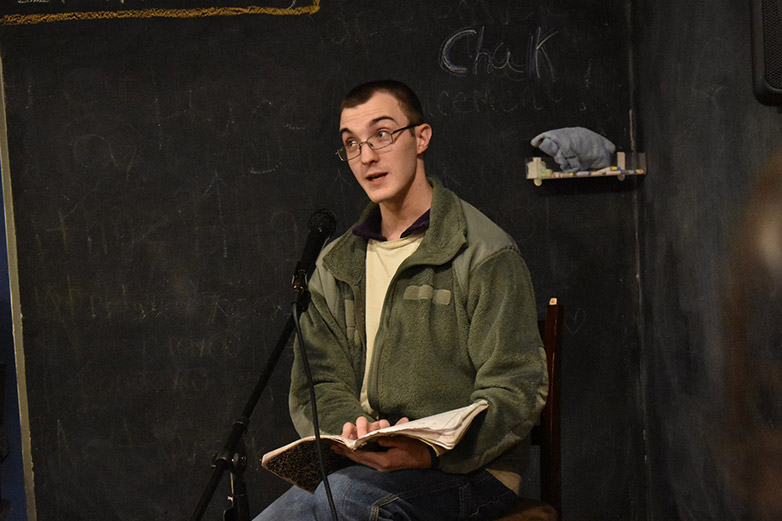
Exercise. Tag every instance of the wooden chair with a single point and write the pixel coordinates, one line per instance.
(547, 433)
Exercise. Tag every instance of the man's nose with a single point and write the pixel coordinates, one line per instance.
(367, 153)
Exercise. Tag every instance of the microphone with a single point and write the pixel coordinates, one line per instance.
(322, 225)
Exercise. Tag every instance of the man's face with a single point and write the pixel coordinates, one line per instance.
(386, 175)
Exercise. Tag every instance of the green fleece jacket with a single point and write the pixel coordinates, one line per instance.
(458, 324)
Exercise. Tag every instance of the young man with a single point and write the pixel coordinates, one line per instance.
(424, 306)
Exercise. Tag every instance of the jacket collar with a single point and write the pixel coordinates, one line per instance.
(446, 236)
(370, 228)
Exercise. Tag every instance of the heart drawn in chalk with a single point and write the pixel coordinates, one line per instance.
(575, 321)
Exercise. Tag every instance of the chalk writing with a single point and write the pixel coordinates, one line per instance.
(499, 60)
(219, 344)
(192, 382)
(94, 383)
(488, 99)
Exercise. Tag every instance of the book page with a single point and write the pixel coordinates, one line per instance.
(296, 462)
(444, 429)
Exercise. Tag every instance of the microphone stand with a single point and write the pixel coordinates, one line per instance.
(233, 457)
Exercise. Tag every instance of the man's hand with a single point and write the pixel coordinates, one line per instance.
(364, 426)
(399, 452)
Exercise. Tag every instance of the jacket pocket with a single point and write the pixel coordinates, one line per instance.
(427, 292)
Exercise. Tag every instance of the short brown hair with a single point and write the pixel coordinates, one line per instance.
(409, 102)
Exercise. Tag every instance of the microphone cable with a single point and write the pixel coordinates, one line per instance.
(315, 423)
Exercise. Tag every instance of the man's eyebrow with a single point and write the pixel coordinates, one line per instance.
(375, 121)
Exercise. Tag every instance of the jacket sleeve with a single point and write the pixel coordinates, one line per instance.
(335, 362)
(506, 350)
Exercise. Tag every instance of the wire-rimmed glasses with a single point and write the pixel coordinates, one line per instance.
(382, 139)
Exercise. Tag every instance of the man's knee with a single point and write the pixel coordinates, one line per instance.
(350, 488)
(340, 485)
(293, 504)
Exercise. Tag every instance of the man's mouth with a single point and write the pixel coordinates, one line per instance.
(375, 177)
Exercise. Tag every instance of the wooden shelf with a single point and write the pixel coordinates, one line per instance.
(626, 164)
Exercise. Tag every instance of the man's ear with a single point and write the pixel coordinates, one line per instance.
(423, 135)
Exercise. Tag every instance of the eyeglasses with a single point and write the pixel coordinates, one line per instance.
(382, 139)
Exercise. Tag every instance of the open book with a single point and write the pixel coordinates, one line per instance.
(297, 462)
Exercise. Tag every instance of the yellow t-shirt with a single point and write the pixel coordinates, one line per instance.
(382, 261)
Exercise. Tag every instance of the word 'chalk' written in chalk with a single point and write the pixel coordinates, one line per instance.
(499, 60)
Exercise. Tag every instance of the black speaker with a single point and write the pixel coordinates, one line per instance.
(767, 51)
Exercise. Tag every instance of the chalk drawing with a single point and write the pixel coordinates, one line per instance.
(576, 320)
(215, 184)
(63, 448)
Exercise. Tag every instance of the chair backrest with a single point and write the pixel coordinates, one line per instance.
(547, 434)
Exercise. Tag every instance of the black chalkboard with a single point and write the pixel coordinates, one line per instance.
(163, 171)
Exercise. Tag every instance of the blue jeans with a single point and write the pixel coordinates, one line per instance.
(364, 494)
